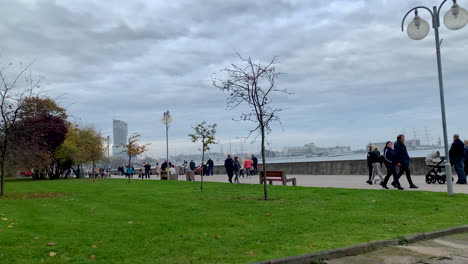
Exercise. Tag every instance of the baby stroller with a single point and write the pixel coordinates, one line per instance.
(437, 172)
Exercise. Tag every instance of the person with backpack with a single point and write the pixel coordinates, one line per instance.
(375, 161)
(391, 163)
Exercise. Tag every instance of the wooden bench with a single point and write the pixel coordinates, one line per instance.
(280, 176)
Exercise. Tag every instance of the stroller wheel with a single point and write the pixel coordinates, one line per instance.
(441, 180)
(428, 179)
(434, 179)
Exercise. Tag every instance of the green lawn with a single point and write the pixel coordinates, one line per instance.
(175, 222)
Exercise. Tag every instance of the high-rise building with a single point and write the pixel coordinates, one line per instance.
(120, 138)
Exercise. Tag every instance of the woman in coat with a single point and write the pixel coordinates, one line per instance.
(248, 166)
(390, 163)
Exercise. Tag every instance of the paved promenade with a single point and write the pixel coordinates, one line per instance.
(444, 250)
(336, 181)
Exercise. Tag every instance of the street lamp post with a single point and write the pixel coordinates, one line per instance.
(456, 18)
(167, 119)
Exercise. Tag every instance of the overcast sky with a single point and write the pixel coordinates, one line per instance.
(355, 76)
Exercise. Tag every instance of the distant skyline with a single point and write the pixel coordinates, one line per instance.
(355, 76)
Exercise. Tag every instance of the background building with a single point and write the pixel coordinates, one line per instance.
(120, 131)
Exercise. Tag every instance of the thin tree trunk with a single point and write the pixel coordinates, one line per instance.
(2, 163)
(129, 166)
(265, 190)
(202, 160)
(94, 171)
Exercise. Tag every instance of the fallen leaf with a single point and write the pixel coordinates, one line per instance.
(94, 246)
(4, 219)
(52, 254)
(36, 238)
(51, 244)
(100, 242)
(268, 214)
(217, 236)
(92, 257)
(251, 253)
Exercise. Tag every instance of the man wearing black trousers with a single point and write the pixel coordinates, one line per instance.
(229, 166)
(403, 160)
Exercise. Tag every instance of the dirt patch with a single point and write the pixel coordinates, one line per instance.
(34, 195)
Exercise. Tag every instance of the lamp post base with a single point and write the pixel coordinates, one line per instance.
(448, 175)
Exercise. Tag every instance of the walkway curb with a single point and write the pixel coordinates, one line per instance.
(365, 247)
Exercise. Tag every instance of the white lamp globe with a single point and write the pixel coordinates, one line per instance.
(456, 18)
(418, 28)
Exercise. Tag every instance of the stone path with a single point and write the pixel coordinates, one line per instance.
(445, 250)
(338, 181)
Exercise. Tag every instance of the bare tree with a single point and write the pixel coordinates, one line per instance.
(12, 94)
(205, 133)
(253, 84)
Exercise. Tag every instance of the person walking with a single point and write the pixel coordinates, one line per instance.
(375, 161)
(236, 169)
(147, 170)
(164, 166)
(390, 163)
(210, 164)
(369, 164)
(229, 166)
(466, 156)
(247, 166)
(241, 168)
(403, 160)
(158, 170)
(192, 165)
(255, 165)
(130, 171)
(457, 158)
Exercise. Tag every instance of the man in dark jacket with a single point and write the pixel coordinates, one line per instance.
(147, 170)
(192, 165)
(255, 164)
(229, 166)
(457, 158)
(403, 160)
(210, 164)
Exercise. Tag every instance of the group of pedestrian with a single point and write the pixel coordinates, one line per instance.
(395, 155)
(240, 169)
